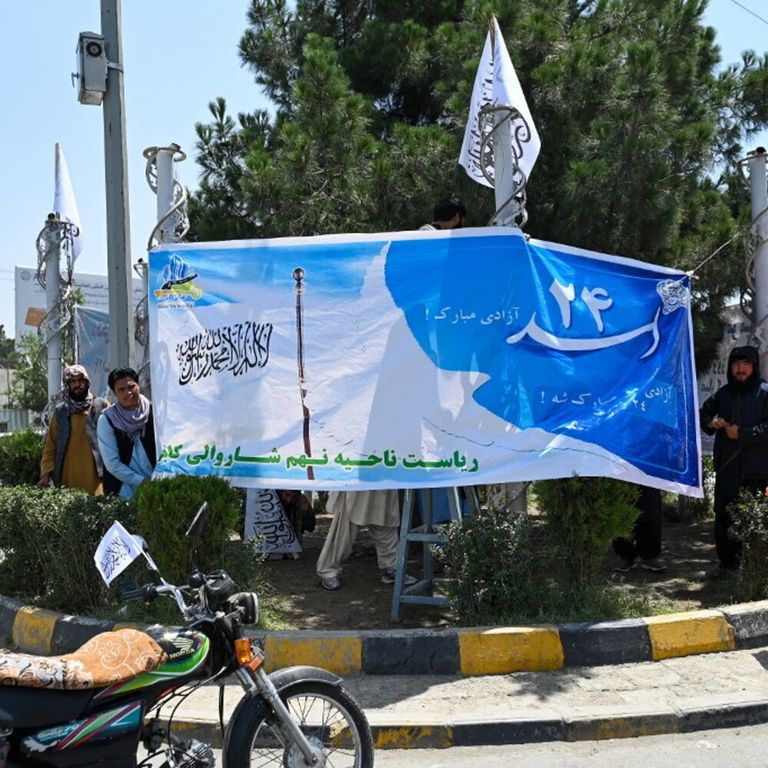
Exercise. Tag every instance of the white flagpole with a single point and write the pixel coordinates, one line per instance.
(501, 142)
(64, 201)
(504, 165)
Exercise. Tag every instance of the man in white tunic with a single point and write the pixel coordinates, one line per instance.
(379, 512)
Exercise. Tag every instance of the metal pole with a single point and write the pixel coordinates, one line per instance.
(504, 170)
(116, 176)
(52, 299)
(504, 187)
(165, 185)
(758, 184)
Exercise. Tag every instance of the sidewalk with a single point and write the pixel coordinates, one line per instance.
(580, 703)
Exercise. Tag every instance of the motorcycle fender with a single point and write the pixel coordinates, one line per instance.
(290, 675)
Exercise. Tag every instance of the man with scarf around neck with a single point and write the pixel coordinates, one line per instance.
(127, 436)
(737, 414)
(71, 455)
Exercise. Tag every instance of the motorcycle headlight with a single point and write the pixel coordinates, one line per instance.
(248, 605)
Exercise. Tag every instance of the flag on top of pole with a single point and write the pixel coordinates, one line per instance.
(496, 84)
(64, 200)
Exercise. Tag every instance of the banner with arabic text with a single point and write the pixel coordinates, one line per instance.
(420, 359)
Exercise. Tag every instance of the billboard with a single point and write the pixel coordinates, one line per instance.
(30, 303)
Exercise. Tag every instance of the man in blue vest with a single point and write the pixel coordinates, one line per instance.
(71, 455)
(127, 436)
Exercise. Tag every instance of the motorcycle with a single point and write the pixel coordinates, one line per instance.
(102, 704)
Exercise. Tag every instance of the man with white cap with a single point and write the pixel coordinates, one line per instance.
(71, 455)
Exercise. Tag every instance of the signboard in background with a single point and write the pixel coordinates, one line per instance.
(92, 326)
(737, 332)
(30, 302)
(420, 359)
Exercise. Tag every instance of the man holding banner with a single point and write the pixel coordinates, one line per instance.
(71, 455)
(737, 414)
(448, 213)
(127, 436)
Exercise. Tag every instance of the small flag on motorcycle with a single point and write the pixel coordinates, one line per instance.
(116, 551)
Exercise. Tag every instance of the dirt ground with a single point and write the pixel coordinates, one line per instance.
(363, 602)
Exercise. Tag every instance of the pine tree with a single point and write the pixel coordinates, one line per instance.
(372, 96)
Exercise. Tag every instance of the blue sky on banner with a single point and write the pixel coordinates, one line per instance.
(179, 56)
(569, 362)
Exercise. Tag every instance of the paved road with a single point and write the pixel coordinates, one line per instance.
(744, 747)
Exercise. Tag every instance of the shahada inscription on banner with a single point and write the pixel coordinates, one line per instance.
(267, 523)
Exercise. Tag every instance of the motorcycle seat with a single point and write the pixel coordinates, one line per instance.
(106, 659)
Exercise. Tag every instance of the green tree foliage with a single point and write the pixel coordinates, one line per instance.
(371, 101)
(29, 389)
(7, 350)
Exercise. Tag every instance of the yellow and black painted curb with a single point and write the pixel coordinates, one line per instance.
(529, 730)
(450, 651)
(477, 651)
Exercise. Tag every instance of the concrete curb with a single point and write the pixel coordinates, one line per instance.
(529, 730)
(476, 651)
(453, 651)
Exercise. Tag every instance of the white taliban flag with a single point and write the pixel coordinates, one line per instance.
(116, 551)
(64, 200)
(496, 83)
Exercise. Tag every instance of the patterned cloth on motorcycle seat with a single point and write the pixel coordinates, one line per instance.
(106, 659)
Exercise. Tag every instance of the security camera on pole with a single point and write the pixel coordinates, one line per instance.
(100, 80)
(500, 147)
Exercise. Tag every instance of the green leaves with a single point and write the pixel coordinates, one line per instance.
(372, 99)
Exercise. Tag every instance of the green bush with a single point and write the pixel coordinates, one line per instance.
(582, 516)
(750, 526)
(20, 454)
(491, 567)
(48, 538)
(687, 509)
(501, 564)
(164, 510)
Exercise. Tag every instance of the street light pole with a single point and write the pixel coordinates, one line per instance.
(49, 243)
(758, 184)
(116, 177)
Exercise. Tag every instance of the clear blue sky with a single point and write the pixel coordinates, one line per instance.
(178, 56)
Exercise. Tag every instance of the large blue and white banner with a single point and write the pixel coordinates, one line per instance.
(414, 359)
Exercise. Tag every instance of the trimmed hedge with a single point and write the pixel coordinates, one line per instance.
(20, 454)
(48, 538)
(164, 510)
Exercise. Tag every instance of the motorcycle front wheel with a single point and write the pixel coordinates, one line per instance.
(328, 716)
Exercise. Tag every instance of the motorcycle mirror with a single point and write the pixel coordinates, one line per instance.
(197, 525)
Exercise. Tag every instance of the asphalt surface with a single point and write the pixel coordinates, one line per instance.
(679, 695)
(453, 687)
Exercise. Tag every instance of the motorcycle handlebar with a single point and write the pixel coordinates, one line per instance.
(147, 593)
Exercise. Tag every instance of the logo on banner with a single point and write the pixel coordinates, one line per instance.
(177, 287)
